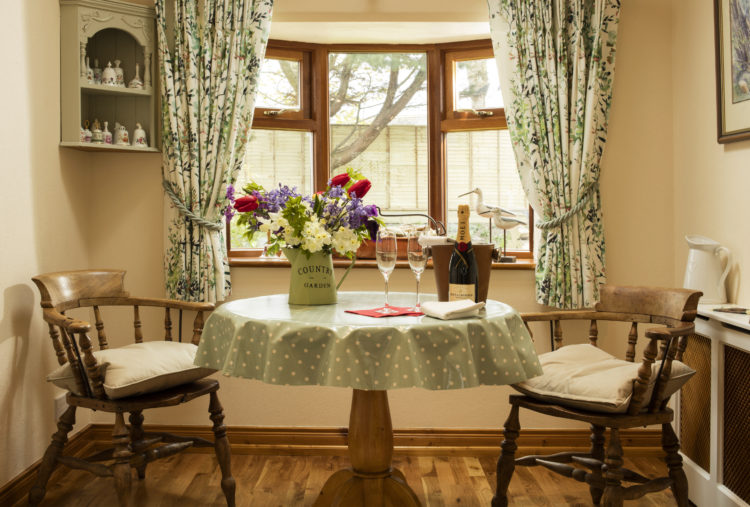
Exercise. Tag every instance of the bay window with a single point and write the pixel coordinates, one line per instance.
(424, 123)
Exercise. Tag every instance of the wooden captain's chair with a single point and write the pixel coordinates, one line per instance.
(584, 383)
(140, 376)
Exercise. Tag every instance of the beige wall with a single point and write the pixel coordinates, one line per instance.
(637, 198)
(65, 209)
(44, 208)
(711, 180)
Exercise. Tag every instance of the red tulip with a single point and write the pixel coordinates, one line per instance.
(340, 179)
(246, 203)
(360, 188)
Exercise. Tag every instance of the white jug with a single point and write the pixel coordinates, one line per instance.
(704, 270)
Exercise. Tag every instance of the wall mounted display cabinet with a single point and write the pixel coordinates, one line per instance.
(106, 31)
(713, 416)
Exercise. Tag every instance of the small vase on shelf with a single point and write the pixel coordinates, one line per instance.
(97, 72)
(136, 81)
(97, 136)
(107, 134)
(89, 72)
(119, 76)
(108, 75)
(86, 133)
(121, 135)
(139, 137)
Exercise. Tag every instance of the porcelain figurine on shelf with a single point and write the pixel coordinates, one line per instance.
(86, 132)
(83, 136)
(121, 135)
(97, 136)
(97, 72)
(107, 134)
(136, 81)
(89, 72)
(139, 137)
(108, 75)
(120, 76)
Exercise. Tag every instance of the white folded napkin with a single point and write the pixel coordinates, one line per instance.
(427, 240)
(447, 310)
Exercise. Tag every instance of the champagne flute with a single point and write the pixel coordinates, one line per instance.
(417, 255)
(385, 253)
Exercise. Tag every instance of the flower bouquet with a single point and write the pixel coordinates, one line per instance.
(309, 228)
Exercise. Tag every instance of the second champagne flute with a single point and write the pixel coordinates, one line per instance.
(417, 255)
(385, 253)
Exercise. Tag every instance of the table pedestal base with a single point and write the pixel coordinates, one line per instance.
(371, 482)
(346, 487)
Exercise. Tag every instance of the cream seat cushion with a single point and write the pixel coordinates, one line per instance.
(139, 368)
(586, 377)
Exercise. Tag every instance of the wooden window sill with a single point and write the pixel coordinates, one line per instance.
(281, 262)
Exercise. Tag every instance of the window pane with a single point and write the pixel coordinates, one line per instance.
(273, 157)
(477, 85)
(279, 84)
(378, 108)
(484, 159)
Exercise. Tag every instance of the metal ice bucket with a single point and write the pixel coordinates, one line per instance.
(441, 256)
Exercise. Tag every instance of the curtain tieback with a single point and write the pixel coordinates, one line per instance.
(196, 219)
(582, 201)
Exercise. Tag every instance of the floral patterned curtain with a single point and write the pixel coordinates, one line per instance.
(209, 62)
(556, 60)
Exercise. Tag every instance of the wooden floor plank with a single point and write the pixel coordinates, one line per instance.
(192, 480)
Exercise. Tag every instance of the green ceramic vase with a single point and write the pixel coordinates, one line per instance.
(311, 281)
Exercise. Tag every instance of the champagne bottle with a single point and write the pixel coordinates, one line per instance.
(463, 263)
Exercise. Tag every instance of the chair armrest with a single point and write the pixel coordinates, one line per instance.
(70, 324)
(173, 303)
(666, 333)
(560, 315)
(157, 302)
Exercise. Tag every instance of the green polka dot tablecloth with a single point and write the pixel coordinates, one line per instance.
(267, 339)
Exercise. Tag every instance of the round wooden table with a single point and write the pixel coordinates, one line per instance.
(267, 339)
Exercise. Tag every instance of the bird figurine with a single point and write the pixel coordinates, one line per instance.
(480, 208)
(498, 216)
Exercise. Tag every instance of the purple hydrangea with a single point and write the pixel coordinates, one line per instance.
(336, 192)
(276, 199)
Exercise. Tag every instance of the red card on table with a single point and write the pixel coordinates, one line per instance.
(393, 311)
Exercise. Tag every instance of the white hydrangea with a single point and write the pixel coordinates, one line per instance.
(315, 236)
(345, 240)
(274, 222)
(290, 239)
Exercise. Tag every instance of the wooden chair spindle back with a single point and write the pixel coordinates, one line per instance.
(558, 333)
(73, 360)
(100, 333)
(138, 332)
(593, 333)
(644, 377)
(167, 325)
(632, 341)
(197, 329)
(59, 350)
